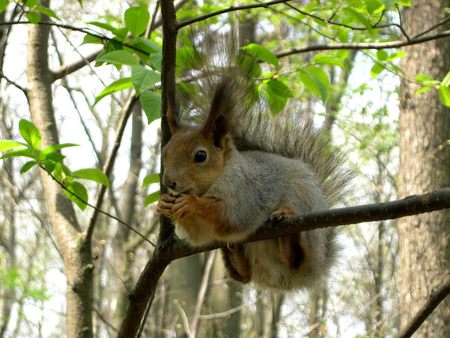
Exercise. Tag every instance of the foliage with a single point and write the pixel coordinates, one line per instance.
(51, 160)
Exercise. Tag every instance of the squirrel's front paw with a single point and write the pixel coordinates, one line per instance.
(182, 205)
(165, 205)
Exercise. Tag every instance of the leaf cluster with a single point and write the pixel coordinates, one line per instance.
(51, 159)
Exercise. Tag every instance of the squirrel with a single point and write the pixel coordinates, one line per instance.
(230, 174)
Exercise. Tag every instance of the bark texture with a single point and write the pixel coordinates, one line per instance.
(69, 236)
(424, 166)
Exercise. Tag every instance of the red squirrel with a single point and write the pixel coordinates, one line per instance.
(230, 174)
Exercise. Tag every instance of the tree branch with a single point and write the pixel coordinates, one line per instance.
(173, 248)
(435, 298)
(360, 46)
(126, 112)
(73, 67)
(229, 9)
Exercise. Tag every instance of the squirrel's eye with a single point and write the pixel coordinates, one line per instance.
(200, 156)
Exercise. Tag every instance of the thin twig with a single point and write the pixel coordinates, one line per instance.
(99, 211)
(361, 46)
(15, 84)
(435, 298)
(126, 113)
(440, 23)
(229, 9)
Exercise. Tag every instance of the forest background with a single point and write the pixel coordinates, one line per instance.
(372, 74)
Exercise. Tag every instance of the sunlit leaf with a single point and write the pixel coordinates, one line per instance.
(92, 174)
(27, 166)
(315, 80)
(33, 17)
(116, 86)
(30, 133)
(376, 69)
(150, 179)
(92, 39)
(143, 78)
(6, 145)
(151, 104)
(77, 193)
(444, 95)
(56, 147)
(151, 198)
(329, 60)
(262, 53)
(136, 20)
(47, 11)
(18, 153)
(358, 16)
(3, 5)
(119, 57)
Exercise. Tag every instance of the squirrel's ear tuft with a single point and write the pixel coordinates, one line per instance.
(172, 120)
(218, 125)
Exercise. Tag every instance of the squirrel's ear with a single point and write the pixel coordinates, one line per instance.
(218, 125)
(172, 119)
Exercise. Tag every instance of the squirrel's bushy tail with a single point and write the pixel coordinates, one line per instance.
(225, 76)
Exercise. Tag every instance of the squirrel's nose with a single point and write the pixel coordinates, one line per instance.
(169, 182)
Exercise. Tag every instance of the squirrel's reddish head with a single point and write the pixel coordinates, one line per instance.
(196, 156)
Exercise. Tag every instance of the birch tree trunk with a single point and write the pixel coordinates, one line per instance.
(424, 166)
(76, 250)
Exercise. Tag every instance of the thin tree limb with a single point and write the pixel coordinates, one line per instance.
(361, 45)
(73, 67)
(435, 298)
(126, 113)
(229, 9)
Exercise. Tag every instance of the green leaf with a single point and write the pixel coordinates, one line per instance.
(278, 88)
(136, 20)
(116, 86)
(405, 2)
(3, 5)
(315, 80)
(55, 157)
(6, 145)
(151, 104)
(382, 55)
(143, 78)
(422, 90)
(150, 179)
(374, 6)
(444, 95)
(33, 17)
(262, 53)
(151, 198)
(118, 57)
(30, 133)
(47, 150)
(92, 174)
(50, 165)
(446, 80)
(146, 46)
(331, 60)
(18, 153)
(27, 166)
(155, 60)
(91, 39)
(358, 16)
(376, 69)
(47, 11)
(423, 78)
(77, 193)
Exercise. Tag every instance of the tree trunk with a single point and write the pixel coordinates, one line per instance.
(75, 249)
(424, 166)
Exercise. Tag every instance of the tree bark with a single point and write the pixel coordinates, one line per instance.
(75, 249)
(424, 166)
